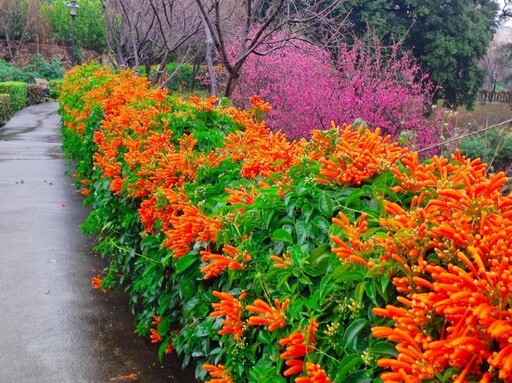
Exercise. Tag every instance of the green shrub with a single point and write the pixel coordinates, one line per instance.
(38, 67)
(36, 94)
(11, 73)
(5, 108)
(263, 258)
(18, 92)
(183, 78)
(493, 147)
(54, 88)
(43, 68)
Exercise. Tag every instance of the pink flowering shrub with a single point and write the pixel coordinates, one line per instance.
(299, 83)
(307, 91)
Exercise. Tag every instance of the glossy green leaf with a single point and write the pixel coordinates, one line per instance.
(349, 339)
(302, 231)
(185, 262)
(325, 205)
(282, 236)
(384, 349)
(321, 223)
(359, 292)
(341, 274)
(347, 364)
(306, 212)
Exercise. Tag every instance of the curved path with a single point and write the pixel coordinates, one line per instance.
(54, 327)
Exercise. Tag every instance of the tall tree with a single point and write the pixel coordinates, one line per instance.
(18, 19)
(448, 37)
(497, 64)
(151, 32)
(254, 24)
(90, 23)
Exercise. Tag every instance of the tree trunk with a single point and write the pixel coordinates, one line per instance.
(159, 76)
(214, 89)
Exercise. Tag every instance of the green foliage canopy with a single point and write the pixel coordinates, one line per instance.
(90, 23)
(447, 37)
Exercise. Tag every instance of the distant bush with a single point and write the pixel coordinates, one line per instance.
(183, 78)
(5, 108)
(493, 147)
(55, 88)
(43, 68)
(38, 67)
(12, 73)
(18, 92)
(36, 94)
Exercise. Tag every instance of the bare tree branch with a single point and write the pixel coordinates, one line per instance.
(257, 25)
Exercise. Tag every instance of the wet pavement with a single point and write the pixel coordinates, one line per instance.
(54, 327)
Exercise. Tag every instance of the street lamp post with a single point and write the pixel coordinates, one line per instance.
(73, 10)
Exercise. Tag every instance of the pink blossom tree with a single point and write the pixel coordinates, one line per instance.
(308, 91)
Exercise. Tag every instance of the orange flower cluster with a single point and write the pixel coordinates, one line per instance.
(262, 153)
(283, 262)
(358, 156)
(232, 260)
(241, 196)
(272, 317)
(202, 104)
(190, 227)
(260, 105)
(315, 375)
(155, 336)
(454, 246)
(298, 345)
(219, 374)
(230, 308)
(355, 252)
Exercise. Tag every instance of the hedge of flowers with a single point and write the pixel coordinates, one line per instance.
(339, 259)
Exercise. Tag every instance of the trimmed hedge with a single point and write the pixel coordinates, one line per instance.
(18, 92)
(5, 108)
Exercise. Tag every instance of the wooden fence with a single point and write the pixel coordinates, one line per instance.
(493, 96)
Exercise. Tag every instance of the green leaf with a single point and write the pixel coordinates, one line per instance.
(321, 223)
(347, 364)
(282, 235)
(187, 288)
(319, 258)
(185, 262)
(353, 200)
(359, 292)
(290, 201)
(302, 231)
(307, 211)
(340, 274)
(350, 337)
(384, 349)
(267, 218)
(371, 291)
(264, 337)
(325, 205)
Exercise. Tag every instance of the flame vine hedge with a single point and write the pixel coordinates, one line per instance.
(339, 259)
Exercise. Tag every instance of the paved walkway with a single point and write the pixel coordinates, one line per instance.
(54, 327)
